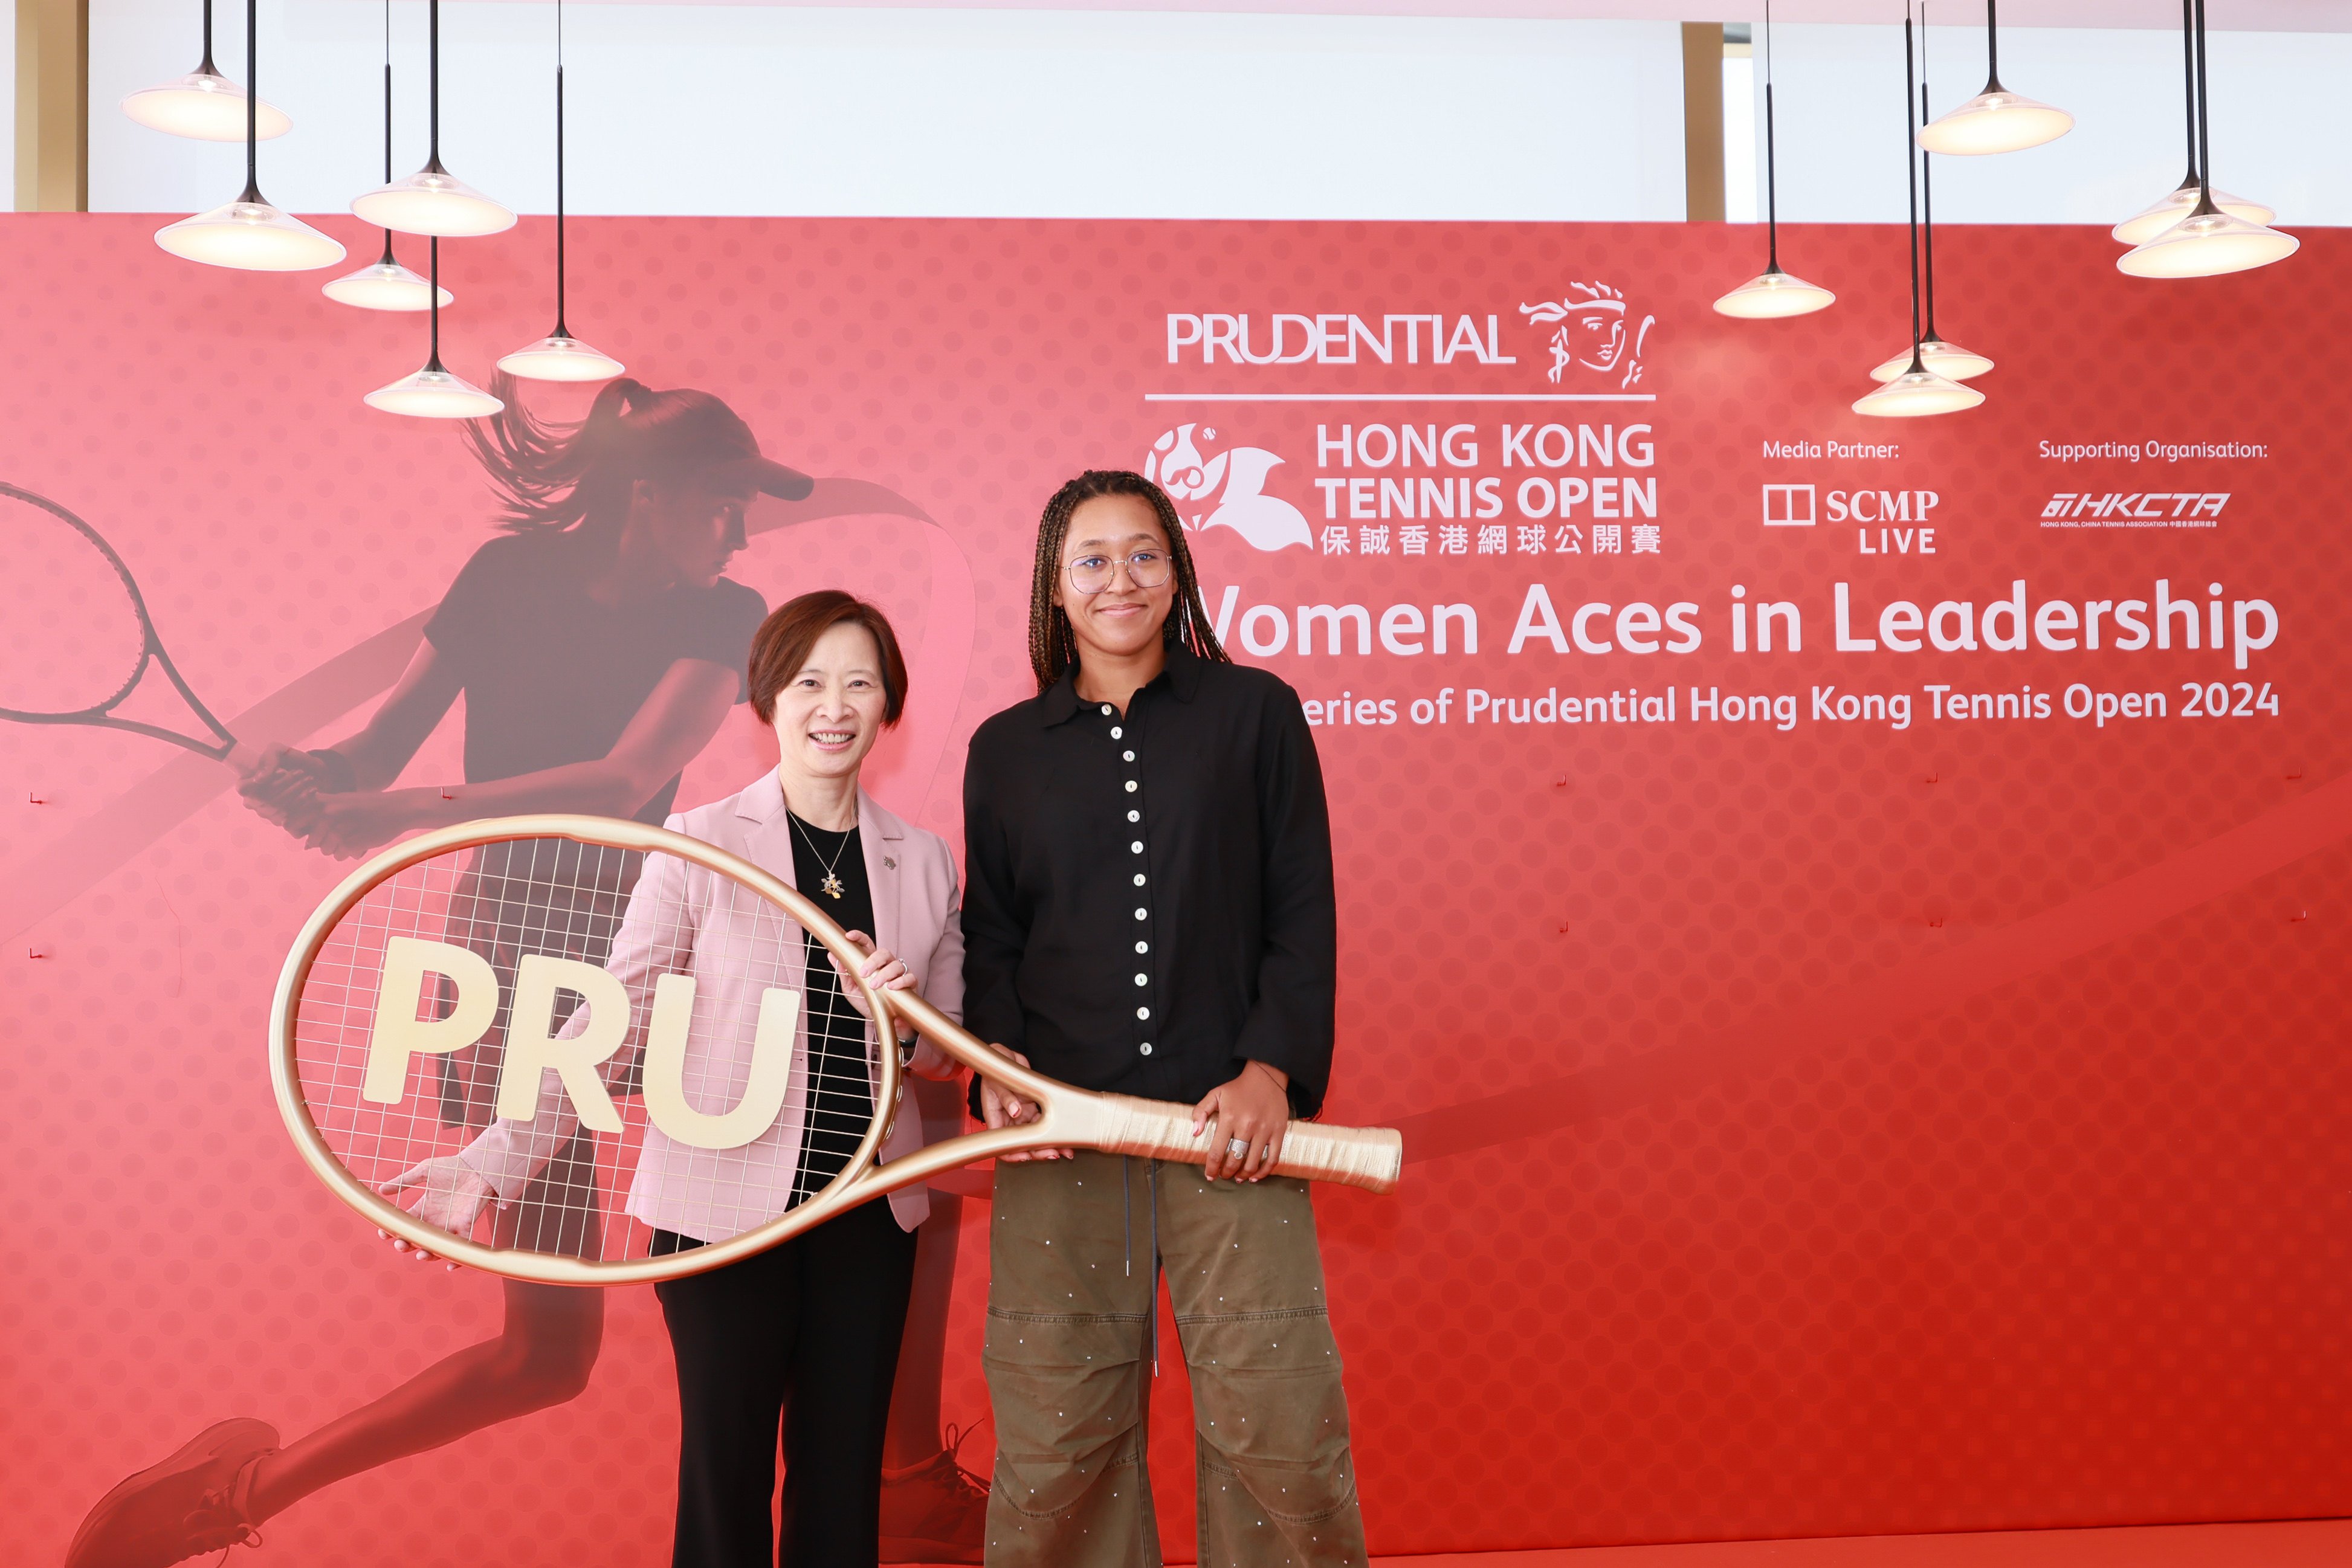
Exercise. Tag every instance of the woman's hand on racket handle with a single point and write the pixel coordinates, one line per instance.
(1003, 1108)
(452, 1194)
(1252, 1111)
(883, 969)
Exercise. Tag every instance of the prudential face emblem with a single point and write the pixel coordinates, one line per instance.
(1224, 491)
(1596, 331)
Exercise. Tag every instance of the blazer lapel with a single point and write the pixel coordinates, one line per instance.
(768, 829)
(883, 842)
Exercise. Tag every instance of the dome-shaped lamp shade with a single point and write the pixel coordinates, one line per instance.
(430, 202)
(2207, 246)
(1915, 394)
(206, 106)
(1994, 121)
(2146, 225)
(1948, 361)
(252, 236)
(434, 393)
(384, 286)
(1771, 295)
(560, 360)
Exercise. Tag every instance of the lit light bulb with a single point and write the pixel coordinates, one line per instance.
(1947, 359)
(1771, 295)
(434, 393)
(1915, 393)
(206, 106)
(432, 201)
(384, 286)
(2146, 226)
(561, 359)
(252, 236)
(1995, 120)
(2207, 244)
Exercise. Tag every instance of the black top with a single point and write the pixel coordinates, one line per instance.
(1149, 901)
(553, 676)
(841, 1095)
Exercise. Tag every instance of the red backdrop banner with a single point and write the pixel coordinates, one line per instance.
(1847, 913)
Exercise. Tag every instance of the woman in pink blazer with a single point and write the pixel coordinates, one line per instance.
(807, 1330)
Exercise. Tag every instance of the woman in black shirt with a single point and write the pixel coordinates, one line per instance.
(1149, 909)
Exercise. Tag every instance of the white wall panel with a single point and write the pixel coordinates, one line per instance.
(749, 109)
(2282, 123)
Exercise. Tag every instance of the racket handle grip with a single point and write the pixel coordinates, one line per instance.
(1368, 1157)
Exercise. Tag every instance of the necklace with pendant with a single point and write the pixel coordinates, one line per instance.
(831, 886)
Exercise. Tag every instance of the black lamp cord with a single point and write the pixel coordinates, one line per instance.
(1772, 171)
(433, 361)
(561, 329)
(387, 260)
(205, 68)
(252, 99)
(1911, 166)
(2205, 207)
(433, 78)
(1926, 179)
(2188, 85)
(1992, 49)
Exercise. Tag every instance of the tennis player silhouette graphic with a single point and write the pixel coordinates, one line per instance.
(599, 644)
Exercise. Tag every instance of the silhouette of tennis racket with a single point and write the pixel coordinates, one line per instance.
(76, 638)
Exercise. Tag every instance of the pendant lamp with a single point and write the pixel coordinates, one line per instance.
(2147, 224)
(433, 201)
(1916, 389)
(559, 356)
(384, 284)
(2209, 241)
(434, 393)
(1772, 293)
(249, 233)
(1947, 359)
(1996, 120)
(203, 104)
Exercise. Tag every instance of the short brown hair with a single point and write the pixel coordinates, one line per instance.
(786, 638)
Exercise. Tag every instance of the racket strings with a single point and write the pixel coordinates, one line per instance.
(568, 1190)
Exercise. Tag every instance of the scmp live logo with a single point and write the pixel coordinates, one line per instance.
(1801, 506)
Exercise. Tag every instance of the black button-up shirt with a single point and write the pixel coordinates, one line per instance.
(1149, 901)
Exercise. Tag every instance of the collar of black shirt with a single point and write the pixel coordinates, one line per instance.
(1183, 677)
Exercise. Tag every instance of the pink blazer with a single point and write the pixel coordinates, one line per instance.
(711, 1195)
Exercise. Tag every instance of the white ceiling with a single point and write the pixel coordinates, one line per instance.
(2235, 15)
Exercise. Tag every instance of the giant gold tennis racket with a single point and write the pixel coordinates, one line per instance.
(616, 1026)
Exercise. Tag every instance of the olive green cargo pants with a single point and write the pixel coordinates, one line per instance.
(1071, 1282)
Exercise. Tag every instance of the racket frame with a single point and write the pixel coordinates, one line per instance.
(1069, 1117)
(101, 714)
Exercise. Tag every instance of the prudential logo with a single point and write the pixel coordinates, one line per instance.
(1594, 330)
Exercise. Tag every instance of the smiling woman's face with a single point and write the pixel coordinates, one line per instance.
(1122, 620)
(829, 713)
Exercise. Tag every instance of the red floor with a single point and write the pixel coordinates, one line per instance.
(2301, 1543)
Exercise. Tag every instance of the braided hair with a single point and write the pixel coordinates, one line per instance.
(1053, 646)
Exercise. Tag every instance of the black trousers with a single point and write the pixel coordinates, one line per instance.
(808, 1330)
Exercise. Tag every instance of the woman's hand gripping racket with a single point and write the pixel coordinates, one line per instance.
(594, 1023)
(76, 638)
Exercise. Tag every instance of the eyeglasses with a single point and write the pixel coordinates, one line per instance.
(1146, 568)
